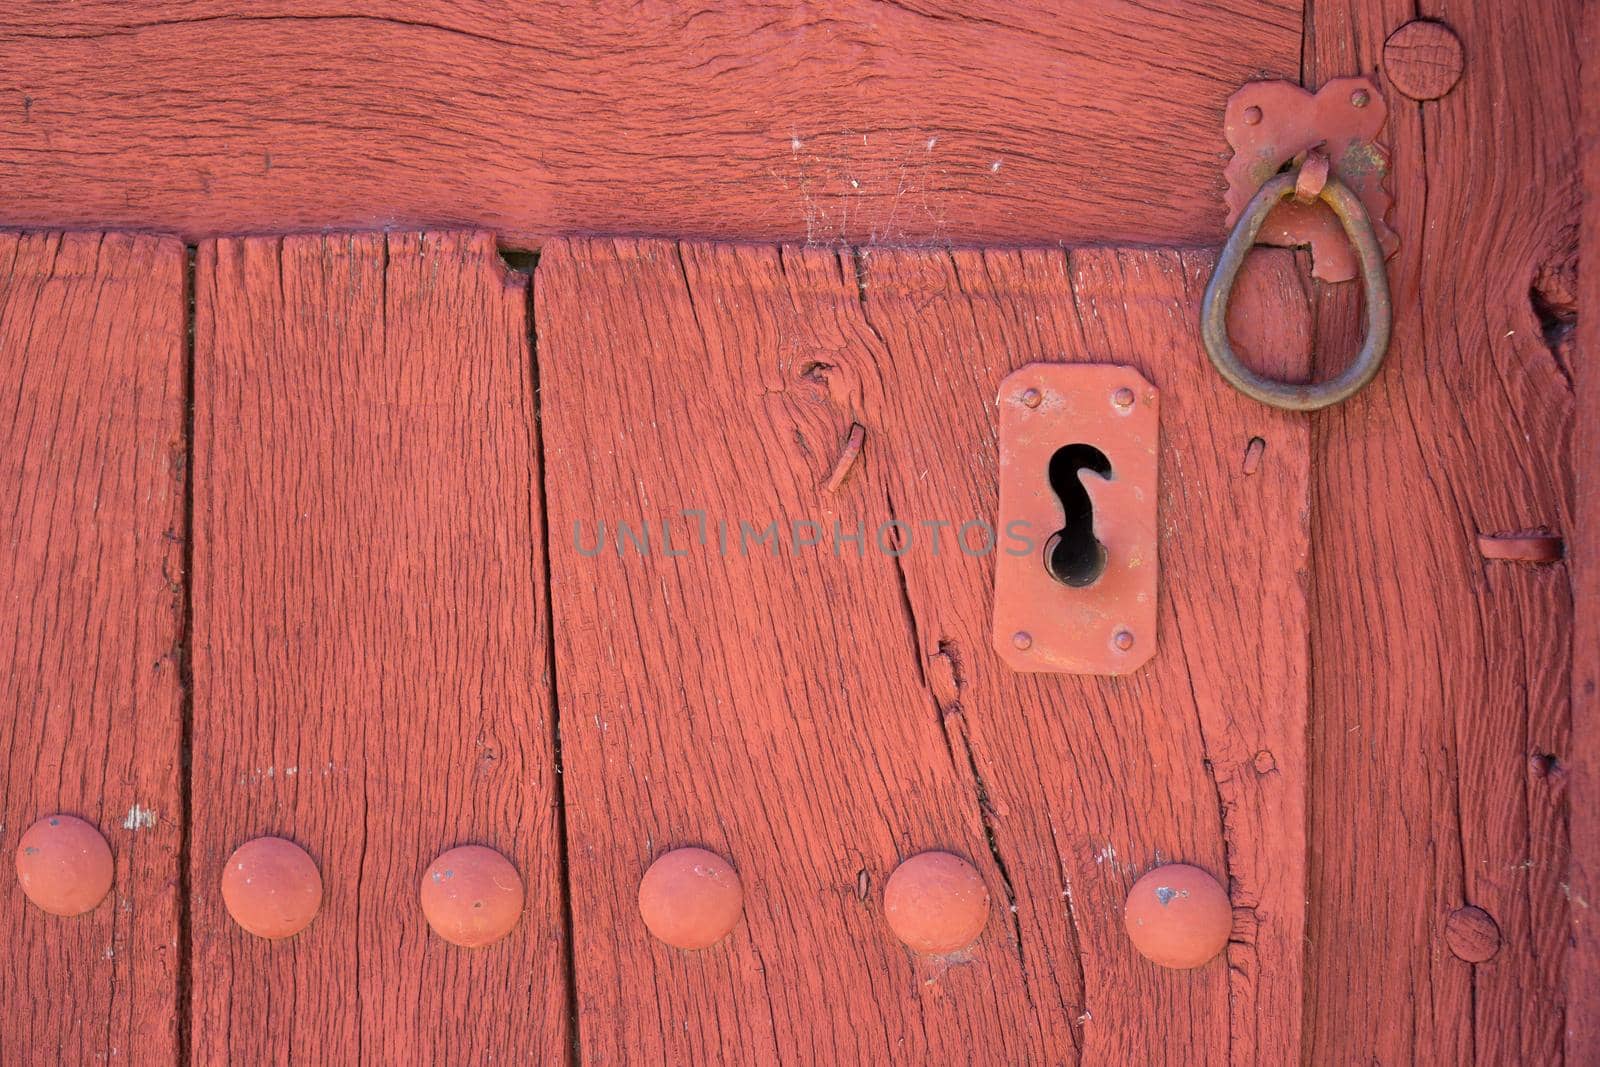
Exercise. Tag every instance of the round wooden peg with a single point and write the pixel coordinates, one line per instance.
(1472, 934)
(1423, 59)
(936, 903)
(64, 865)
(1178, 916)
(272, 887)
(471, 896)
(690, 898)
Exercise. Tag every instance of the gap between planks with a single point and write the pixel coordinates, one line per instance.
(524, 263)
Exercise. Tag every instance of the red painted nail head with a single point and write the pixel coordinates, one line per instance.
(936, 903)
(1178, 916)
(690, 898)
(1423, 59)
(1472, 934)
(64, 865)
(471, 896)
(272, 887)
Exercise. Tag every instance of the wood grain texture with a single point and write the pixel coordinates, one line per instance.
(1441, 725)
(92, 459)
(370, 644)
(1200, 756)
(1583, 558)
(767, 708)
(817, 716)
(929, 121)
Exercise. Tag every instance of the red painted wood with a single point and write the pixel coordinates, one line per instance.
(1583, 554)
(370, 645)
(767, 709)
(1441, 723)
(932, 121)
(817, 718)
(358, 608)
(92, 459)
(1199, 757)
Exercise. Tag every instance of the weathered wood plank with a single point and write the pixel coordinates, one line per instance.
(933, 121)
(370, 644)
(818, 716)
(1441, 723)
(92, 457)
(1200, 756)
(765, 707)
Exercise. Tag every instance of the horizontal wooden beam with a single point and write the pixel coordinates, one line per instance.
(932, 121)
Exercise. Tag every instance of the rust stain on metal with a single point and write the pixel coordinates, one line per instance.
(1529, 547)
(1269, 124)
(1043, 620)
(847, 457)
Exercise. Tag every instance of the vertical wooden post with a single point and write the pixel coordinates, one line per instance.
(1441, 678)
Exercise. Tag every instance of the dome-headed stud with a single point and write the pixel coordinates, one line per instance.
(1178, 916)
(472, 896)
(272, 887)
(936, 903)
(690, 898)
(64, 865)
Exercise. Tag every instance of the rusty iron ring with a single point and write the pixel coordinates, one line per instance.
(1214, 308)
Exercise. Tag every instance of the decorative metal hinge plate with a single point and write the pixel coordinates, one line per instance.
(1075, 584)
(1270, 124)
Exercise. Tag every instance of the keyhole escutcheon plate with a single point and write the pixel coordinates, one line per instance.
(1098, 424)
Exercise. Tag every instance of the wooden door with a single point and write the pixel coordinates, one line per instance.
(470, 519)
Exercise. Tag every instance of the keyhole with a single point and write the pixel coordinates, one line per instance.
(1073, 555)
